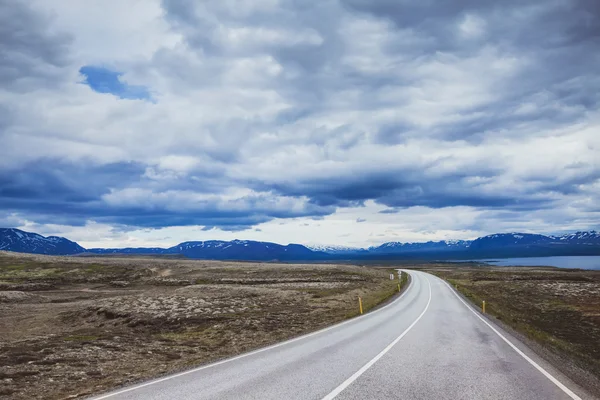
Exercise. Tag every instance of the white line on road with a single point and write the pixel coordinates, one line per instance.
(515, 348)
(166, 378)
(368, 365)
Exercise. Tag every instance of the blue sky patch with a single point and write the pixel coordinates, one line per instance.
(104, 80)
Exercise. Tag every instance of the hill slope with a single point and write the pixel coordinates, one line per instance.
(26, 242)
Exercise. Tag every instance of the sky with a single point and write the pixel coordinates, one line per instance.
(346, 122)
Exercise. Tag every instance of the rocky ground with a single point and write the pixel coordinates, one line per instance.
(71, 327)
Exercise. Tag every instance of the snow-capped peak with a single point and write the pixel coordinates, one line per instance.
(332, 248)
(13, 239)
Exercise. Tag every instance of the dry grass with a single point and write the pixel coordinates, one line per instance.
(76, 326)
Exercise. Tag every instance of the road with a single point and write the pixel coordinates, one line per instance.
(427, 344)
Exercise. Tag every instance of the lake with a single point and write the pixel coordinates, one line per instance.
(583, 262)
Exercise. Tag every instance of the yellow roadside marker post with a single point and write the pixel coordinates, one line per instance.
(360, 305)
(398, 287)
(483, 306)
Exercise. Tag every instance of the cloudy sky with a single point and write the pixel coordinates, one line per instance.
(350, 122)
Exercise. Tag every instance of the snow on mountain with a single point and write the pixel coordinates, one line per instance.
(243, 250)
(333, 249)
(16, 240)
(528, 239)
(581, 238)
(525, 244)
(503, 240)
(399, 247)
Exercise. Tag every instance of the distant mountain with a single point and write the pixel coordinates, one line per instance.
(222, 250)
(591, 238)
(504, 240)
(244, 250)
(492, 246)
(337, 249)
(25, 242)
(531, 245)
(441, 246)
(395, 248)
(499, 245)
(128, 250)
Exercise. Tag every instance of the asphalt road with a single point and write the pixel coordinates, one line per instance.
(427, 344)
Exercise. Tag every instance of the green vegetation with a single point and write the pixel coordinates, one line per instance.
(27, 271)
(63, 270)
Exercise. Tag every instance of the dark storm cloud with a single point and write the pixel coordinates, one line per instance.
(58, 181)
(130, 218)
(389, 211)
(31, 55)
(71, 193)
(208, 215)
(59, 191)
(356, 79)
(560, 38)
(554, 23)
(402, 189)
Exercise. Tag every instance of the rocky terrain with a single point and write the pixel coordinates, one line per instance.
(72, 327)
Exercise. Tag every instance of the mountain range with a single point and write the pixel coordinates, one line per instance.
(27, 242)
(491, 246)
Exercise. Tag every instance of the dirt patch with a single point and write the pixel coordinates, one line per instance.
(15, 296)
(78, 326)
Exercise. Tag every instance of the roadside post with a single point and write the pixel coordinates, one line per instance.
(483, 306)
(360, 305)
(399, 280)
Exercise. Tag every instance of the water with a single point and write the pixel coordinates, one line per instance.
(583, 262)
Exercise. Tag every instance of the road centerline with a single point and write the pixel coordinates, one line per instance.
(333, 394)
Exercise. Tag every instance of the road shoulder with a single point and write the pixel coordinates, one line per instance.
(580, 381)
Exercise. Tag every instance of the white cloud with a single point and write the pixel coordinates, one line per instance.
(110, 32)
(471, 26)
(264, 109)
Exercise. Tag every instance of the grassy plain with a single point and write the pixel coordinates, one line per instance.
(71, 326)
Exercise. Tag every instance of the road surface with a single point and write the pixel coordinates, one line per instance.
(427, 344)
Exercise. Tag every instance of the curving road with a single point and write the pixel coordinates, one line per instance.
(427, 344)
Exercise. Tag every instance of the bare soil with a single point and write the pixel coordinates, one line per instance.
(72, 327)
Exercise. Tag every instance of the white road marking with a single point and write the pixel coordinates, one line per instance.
(515, 348)
(166, 378)
(368, 365)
